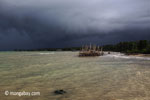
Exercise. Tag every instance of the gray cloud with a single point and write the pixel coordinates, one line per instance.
(64, 23)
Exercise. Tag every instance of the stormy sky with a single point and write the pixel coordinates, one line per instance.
(29, 24)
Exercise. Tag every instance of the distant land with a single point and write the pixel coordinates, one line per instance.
(130, 47)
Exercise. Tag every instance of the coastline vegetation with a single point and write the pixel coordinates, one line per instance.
(130, 47)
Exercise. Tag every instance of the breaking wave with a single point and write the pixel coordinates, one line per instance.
(46, 53)
(121, 55)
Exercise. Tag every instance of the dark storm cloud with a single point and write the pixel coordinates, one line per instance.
(64, 23)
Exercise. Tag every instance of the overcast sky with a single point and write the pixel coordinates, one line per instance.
(63, 23)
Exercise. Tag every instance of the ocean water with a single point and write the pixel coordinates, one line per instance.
(108, 77)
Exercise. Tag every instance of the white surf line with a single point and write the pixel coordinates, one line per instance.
(126, 57)
(46, 53)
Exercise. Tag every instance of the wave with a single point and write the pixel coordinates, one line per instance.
(120, 55)
(46, 53)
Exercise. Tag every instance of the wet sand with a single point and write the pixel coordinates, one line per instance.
(110, 77)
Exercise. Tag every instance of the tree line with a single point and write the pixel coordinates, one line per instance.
(51, 49)
(141, 46)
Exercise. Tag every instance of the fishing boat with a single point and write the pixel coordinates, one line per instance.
(91, 50)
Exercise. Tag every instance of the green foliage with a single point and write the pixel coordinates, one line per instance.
(142, 46)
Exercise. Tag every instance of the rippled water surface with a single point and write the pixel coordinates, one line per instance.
(109, 77)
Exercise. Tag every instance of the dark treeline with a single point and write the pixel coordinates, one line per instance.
(142, 46)
(51, 49)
